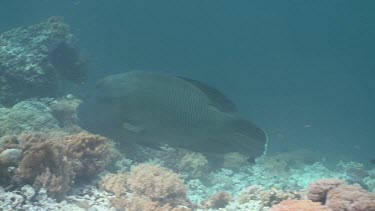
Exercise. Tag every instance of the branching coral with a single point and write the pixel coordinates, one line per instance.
(87, 153)
(55, 162)
(299, 205)
(43, 164)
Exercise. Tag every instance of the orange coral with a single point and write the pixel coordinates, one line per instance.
(299, 205)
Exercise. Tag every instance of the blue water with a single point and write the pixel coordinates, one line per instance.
(303, 70)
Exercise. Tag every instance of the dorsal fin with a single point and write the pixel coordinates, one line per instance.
(218, 99)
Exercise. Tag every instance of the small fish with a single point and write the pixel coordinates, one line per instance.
(155, 109)
(372, 161)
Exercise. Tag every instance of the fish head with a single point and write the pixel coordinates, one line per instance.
(98, 115)
(247, 138)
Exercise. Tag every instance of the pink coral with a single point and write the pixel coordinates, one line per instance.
(299, 205)
(350, 198)
(317, 191)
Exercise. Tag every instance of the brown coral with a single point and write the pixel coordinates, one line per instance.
(317, 191)
(299, 205)
(115, 183)
(350, 198)
(158, 184)
(88, 153)
(43, 164)
(268, 197)
(147, 187)
(193, 162)
(55, 161)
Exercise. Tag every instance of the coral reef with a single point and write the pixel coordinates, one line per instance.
(158, 184)
(282, 163)
(370, 180)
(147, 187)
(350, 198)
(218, 200)
(310, 173)
(295, 205)
(317, 191)
(194, 163)
(87, 153)
(36, 60)
(64, 110)
(28, 198)
(10, 157)
(267, 197)
(234, 161)
(26, 116)
(56, 161)
(115, 183)
(353, 172)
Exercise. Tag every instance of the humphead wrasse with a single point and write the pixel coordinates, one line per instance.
(156, 109)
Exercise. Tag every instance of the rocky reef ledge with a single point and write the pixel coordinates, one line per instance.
(35, 61)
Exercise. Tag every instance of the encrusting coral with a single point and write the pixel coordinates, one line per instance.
(350, 198)
(317, 191)
(299, 205)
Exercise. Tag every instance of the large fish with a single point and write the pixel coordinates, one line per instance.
(154, 108)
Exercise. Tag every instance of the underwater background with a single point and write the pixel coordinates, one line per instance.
(304, 71)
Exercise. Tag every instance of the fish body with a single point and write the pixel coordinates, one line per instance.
(155, 108)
